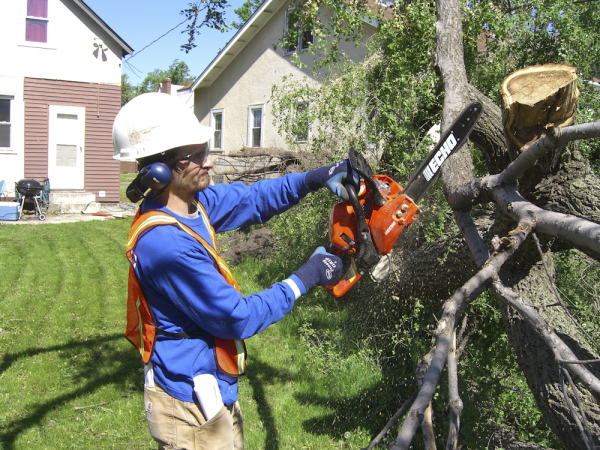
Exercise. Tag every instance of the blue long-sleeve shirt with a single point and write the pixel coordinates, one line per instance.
(185, 291)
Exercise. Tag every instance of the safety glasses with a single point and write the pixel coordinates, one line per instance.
(199, 156)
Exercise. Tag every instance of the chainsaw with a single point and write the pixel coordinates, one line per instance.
(365, 228)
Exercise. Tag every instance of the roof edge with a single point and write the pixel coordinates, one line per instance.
(127, 50)
(232, 42)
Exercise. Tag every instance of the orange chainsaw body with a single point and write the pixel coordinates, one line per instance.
(385, 222)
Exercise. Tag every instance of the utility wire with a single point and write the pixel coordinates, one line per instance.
(137, 72)
(156, 40)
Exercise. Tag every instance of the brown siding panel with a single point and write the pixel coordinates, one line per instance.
(102, 103)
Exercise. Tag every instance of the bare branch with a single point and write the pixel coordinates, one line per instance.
(454, 401)
(479, 191)
(472, 237)
(556, 138)
(540, 326)
(453, 307)
(427, 425)
(392, 421)
(580, 232)
(582, 425)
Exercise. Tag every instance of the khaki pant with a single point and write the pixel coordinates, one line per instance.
(178, 425)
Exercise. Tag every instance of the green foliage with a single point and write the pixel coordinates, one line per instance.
(492, 384)
(526, 33)
(245, 11)
(301, 229)
(204, 14)
(331, 23)
(178, 72)
(385, 103)
(128, 91)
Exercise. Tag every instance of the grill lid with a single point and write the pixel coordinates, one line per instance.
(29, 187)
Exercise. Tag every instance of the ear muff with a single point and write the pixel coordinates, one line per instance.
(155, 176)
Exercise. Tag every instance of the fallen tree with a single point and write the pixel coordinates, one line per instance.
(539, 194)
(559, 361)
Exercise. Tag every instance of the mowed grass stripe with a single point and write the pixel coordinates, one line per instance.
(68, 293)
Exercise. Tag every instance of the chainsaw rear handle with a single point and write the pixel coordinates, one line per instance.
(367, 254)
(362, 167)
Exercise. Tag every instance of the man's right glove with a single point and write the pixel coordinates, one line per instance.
(332, 177)
(321, 269)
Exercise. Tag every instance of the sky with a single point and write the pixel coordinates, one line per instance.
(140, 22)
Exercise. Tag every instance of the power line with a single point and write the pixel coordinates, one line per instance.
(156, 40)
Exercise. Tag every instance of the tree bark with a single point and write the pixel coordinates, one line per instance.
(537, 361)
(524, 272)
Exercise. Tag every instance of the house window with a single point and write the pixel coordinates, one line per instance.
(216, 122)
(36, 23)
(5, 122)
(255, 129)
(305, 32)
(301, 122)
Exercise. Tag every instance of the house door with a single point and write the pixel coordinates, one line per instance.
(66, 138)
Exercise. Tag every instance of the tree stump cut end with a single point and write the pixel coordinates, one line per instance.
(536, 98)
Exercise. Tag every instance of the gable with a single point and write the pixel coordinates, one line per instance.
(75, 44)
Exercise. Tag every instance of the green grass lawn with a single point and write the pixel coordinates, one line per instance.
(69, 379)
(125, 178)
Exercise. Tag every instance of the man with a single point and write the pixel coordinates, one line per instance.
(186, 315)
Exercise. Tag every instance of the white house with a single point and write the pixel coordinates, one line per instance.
(60, 89)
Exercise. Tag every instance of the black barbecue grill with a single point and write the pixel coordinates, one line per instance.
(30, 191)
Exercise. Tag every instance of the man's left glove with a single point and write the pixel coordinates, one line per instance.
(332, 178)
(321, 269)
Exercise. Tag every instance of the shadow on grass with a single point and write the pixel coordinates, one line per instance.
(123, 366)
(369, 410)
(261, 374)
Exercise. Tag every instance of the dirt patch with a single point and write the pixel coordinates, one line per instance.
(258, 243)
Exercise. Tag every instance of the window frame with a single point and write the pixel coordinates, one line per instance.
(250, 137)
(10, 123)
(306, 104)
(300, 46)
(214, 112)
(37, 18)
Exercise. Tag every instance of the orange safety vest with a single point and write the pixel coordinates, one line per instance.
(230, 355)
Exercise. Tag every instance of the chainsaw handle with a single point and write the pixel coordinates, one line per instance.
(346, 282)
(360, 164)
(367, 254)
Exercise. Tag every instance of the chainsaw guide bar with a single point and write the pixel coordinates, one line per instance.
(449, 143)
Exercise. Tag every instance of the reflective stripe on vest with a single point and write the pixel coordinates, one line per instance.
(230, 355)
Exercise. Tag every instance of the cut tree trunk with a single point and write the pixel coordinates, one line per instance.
(538, 97)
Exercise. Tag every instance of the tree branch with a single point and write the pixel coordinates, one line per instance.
(453, 307)
(478, 191)
(580, 232)
(454, 401)
(555, 138)
(560, 350)
(392, 421)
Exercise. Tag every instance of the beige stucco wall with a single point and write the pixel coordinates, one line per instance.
(248, 80)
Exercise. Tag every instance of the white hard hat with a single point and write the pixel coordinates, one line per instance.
(154, 123)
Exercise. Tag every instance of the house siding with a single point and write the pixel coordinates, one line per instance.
(249, 77)
(102, 103)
